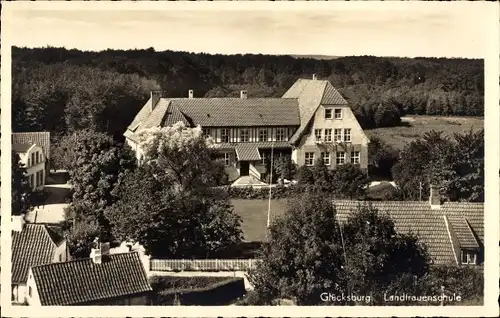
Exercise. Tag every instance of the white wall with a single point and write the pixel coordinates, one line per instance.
(34, 299)
(33, 168)
(61, 250)
(18, 293)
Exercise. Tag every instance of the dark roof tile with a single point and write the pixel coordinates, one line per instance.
(34, 245)
(428, 224)
(82, 281)
(41, 138)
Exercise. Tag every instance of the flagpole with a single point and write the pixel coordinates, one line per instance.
(270, 188)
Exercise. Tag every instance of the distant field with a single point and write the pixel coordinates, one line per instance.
(416, 126)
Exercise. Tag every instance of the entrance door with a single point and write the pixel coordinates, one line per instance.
(244, 168)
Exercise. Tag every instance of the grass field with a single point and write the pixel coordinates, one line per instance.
(254, 216)
(416, 126)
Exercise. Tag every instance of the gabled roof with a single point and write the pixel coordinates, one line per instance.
(430, 224)
(41, 138)
(22, 148)
(247, 152)
(82, 281)
(217, 112)
(34, 245)
(311, 94)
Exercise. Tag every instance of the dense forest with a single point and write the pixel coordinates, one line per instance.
(62, 90)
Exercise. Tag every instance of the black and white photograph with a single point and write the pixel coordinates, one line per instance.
(238, 157)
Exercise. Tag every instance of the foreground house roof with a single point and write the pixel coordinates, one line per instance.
(34, 245)
(83, 281)
(41, 138)
(445, 230)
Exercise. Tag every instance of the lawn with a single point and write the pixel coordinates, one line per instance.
(254, 216)
(414, 127)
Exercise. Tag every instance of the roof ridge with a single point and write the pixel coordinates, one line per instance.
(83, 259)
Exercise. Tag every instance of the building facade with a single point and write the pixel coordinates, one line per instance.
(34, 161)
(310, 121)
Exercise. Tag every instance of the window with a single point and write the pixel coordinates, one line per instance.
(317, 134)
(328, 113)
(28, 163)
(31, 181)
(29, 291)
(355, 157)
(340, 158)
(37, 177)
(347, 135)
(264, 158)
(338, 135)
(280, 134)
(328, 135)
(338, 113)
(468, 257)
(42, 180)
(206, 132)
(326, 158)
(60, 257)
(225, 135)
(263, 135)
(244, 135)
(309, 159)
(227, 159)
(33, 159)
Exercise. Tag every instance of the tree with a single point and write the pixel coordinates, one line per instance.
(364, 256)
(321, 176)
(381, 157)
(284, 167)
(349, 181)
(378, 255)
(170, 221)
(21, 190)
(305, 176)
(98, 168)
(455, 164)
(183, 153)
(310, 263)
(80, 237)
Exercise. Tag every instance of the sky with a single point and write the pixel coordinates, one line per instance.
(381, 31)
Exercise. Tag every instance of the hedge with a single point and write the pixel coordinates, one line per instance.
(198, 291)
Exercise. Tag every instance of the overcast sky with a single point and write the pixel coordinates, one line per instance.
(411, 31)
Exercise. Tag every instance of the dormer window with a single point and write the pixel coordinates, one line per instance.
(338, 113)
(469, 257)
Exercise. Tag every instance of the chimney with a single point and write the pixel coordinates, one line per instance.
(191, 94)
(314, 77)
(155, 97)
(18, 222)
(99, 251)
(243, 94)
(434, 197)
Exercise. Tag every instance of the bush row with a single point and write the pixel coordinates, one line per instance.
(198, 291)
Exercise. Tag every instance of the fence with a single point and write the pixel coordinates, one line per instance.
(212, 265)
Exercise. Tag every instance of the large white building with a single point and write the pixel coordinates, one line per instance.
(310, 121)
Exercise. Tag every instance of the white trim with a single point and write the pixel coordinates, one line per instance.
(451, 240)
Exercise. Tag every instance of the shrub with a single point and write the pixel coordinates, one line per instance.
(197, 291)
